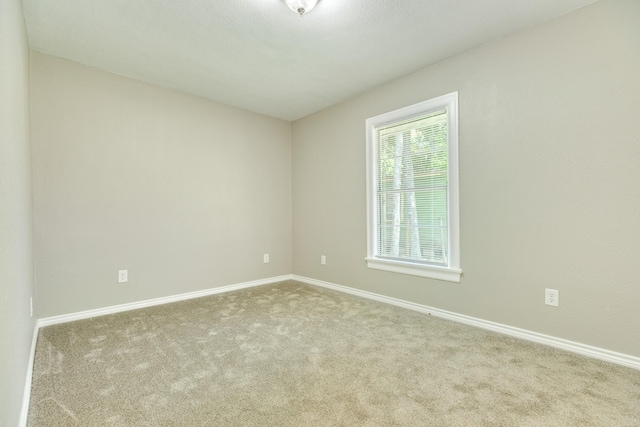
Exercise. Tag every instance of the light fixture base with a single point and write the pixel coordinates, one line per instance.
(301, 7)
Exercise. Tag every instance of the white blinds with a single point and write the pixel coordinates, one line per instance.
(412, 189)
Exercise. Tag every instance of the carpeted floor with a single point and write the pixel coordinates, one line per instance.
(294, 355)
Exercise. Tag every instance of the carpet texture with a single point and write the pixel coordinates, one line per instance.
(289, 354)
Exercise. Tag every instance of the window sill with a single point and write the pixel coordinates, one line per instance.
(439, 273)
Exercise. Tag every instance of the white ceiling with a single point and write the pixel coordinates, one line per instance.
(260, 56)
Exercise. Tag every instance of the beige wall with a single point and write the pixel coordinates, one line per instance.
(185, 193)
(16, 270)
(549, 182)
(188, 194)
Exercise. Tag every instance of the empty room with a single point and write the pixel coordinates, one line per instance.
(319, 213)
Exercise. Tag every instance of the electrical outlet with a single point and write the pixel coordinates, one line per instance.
(551, 297)
(265, 258)
(323, 260)
(123, 276)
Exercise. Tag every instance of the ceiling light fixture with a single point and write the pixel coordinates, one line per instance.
(301, 6)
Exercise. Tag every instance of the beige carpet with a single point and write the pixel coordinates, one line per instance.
(294, 355)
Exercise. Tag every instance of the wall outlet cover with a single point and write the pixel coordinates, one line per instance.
(551, 297)
(123, 276)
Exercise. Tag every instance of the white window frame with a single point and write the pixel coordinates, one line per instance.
(451, 272)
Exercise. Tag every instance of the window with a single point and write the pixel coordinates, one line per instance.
(412, 190)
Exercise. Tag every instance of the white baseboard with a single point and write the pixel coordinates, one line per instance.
(27, 384)
(156, 301)
(53, 320)
(583, 349)
(120, 308)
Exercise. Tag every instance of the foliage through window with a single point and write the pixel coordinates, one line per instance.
(412, 180)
